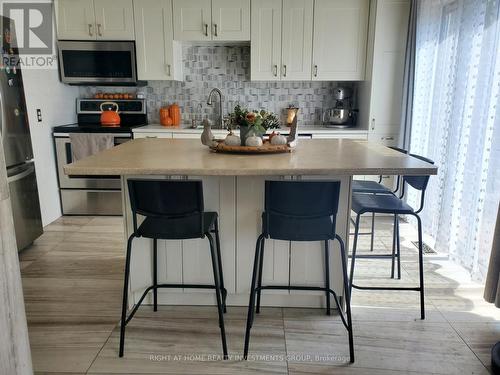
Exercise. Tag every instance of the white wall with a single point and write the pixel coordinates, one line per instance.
(43, 90)
(57, 102)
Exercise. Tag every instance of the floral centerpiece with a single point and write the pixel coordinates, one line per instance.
(253, 123)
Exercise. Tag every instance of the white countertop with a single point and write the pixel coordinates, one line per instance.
(312, 129)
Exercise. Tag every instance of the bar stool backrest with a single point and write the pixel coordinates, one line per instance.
(301, 210)
(417, 182)
(165, 198)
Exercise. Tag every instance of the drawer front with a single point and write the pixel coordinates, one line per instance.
(91, 202)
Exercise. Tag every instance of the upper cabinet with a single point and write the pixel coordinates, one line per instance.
(76, 19)
(303, 40)
(281, 40)
(265, 40)
(205, 20)
(297, 43)
(159, 57)
(340, 35)
(95, 20)
(114, 19)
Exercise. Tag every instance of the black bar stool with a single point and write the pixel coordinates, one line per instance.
(300, 211)
(173, 210)
(372, 187)
(390, 204)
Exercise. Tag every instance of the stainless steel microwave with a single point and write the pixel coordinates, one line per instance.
(97, 62)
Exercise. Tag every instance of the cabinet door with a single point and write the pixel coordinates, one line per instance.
(340, 34)
(192, 20)
(296, 51)
(231, 20)
(114, 19)
(265, 40)
(76, 19)
(157, 59)
(388, 65)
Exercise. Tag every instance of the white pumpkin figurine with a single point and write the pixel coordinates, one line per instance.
(253, 141)
(278, 139)
(232, 140)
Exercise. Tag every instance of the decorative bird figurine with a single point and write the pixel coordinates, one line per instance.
(207, 138)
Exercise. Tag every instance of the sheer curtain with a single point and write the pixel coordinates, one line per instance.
(456, 122)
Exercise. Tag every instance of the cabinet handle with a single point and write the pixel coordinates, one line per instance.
(373, 124)
(90, 30)
(315, 72)
(151, 136)
(99, 29)
(215, 27)
(388, 138)
(168, 70)
(275, 70)
(284, 70)
(206, 29)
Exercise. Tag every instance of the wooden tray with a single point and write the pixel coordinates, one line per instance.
(266, 148)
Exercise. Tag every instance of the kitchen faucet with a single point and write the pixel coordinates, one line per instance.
(209, 102)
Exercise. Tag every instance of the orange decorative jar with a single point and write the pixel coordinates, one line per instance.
(165, 118)
(175, 114)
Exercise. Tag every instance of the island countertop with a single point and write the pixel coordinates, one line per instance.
(189, 157)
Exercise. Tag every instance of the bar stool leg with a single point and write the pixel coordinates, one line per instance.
(394, 239)
(252, 296)
(327, 276)
(259, 277)
(421, 267)
(219, 261)
(398, 247)
(347, 299)
(218, 294)
(125, 295)
(372, 236)
(353, 256)
(155, 274)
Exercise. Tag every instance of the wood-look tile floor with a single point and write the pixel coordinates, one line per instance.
(72, 279)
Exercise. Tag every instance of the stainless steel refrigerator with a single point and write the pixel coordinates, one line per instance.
(16, 140)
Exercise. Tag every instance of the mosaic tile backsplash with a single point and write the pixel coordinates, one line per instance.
(228, 68)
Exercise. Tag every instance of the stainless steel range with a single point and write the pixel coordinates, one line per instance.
(98, 195)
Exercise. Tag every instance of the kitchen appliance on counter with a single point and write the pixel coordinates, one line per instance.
(342, 114)
(96, 195)
(97, 63)
(16, 141)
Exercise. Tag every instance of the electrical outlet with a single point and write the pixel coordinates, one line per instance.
(39, 115)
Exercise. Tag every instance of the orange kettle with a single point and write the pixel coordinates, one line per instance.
(110, 117)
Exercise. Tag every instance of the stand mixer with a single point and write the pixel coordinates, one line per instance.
(342, 115)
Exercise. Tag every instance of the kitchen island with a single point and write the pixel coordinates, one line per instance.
(234, 186)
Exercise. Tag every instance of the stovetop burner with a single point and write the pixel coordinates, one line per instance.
(132, 115)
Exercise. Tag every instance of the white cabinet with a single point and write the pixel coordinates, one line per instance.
(340, 35)
(281, 40)
(95, 19)
(152, 134)
(265, 40)
(230, 20)
(204, 20)
(297, 43)
(114, 19)
(158, 56)
(75, 19)
(192, 19)
(388, 67)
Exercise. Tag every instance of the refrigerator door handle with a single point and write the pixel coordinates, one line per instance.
(23, 174)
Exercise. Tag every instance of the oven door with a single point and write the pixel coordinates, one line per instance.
(97, 63)
(63, 155)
